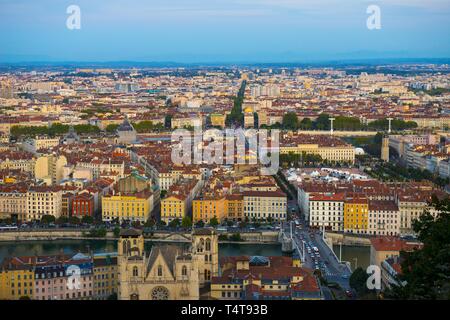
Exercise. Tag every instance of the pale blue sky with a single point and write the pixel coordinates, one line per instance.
(222, 30)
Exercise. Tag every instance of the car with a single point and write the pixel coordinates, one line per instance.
(348, 293)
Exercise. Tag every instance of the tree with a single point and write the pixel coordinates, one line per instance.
(62, 220)
(111, 127)
(97, 233)
(161, 223)
(149, 223)
(168, 121)
(235, 237)
(322, 122)
(186, 222)
(426, 271)
(200, 224)
(136, 224)
(306, 124)
(358, 281)
(47, 219)
(116, 232)
(74, 220)
(87, 220)
(112, 296)
(256, 119)
(290, 121)
(236, 116)
(213, 222)
(174, 223)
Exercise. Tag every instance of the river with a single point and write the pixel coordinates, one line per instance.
(30, 248)
(356, 255)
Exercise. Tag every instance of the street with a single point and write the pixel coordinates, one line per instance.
(318, 256)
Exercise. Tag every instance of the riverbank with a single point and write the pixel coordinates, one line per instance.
(335, 238)
(52, 235)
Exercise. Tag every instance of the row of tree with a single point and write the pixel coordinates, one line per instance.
(54, 130)
(236, 116)
(145, 126)
(291, 122)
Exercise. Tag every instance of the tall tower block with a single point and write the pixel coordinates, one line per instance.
(385, 149)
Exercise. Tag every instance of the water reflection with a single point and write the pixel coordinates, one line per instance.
(102, 246)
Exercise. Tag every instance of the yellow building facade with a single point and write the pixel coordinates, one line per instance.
(206, 209)
(356, 215)
(234, 207)
(105, 276)
(133, 208)
(339, 153)
(173, 207)
(15, 284)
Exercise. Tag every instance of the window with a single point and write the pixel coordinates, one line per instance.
(135, 272)
(184, 271)
(160, 271)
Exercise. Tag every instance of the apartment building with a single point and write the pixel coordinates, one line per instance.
(43, 200)
(127, 207)
(384, 218)
(83, 205)
(234, 207)
(40, 142)
(16, 280)
(327, 211)
(264, 205)
(356, 215)
(13, 201)
(384, 247)
(264, 278)
(17, 160)
(178, 202)
(327, 147)
(106, 280)
(206, 207)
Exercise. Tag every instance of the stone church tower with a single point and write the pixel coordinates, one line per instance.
(168, 272)
(205, 245)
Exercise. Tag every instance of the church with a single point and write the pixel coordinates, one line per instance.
(126, 134)
(169, 271)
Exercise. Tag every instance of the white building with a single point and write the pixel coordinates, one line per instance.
(327, 211)
(260, 205)
(384, 218)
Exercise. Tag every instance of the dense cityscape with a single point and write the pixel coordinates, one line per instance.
(222, 158)
(87, 154)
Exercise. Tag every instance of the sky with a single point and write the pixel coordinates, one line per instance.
(193, 31)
